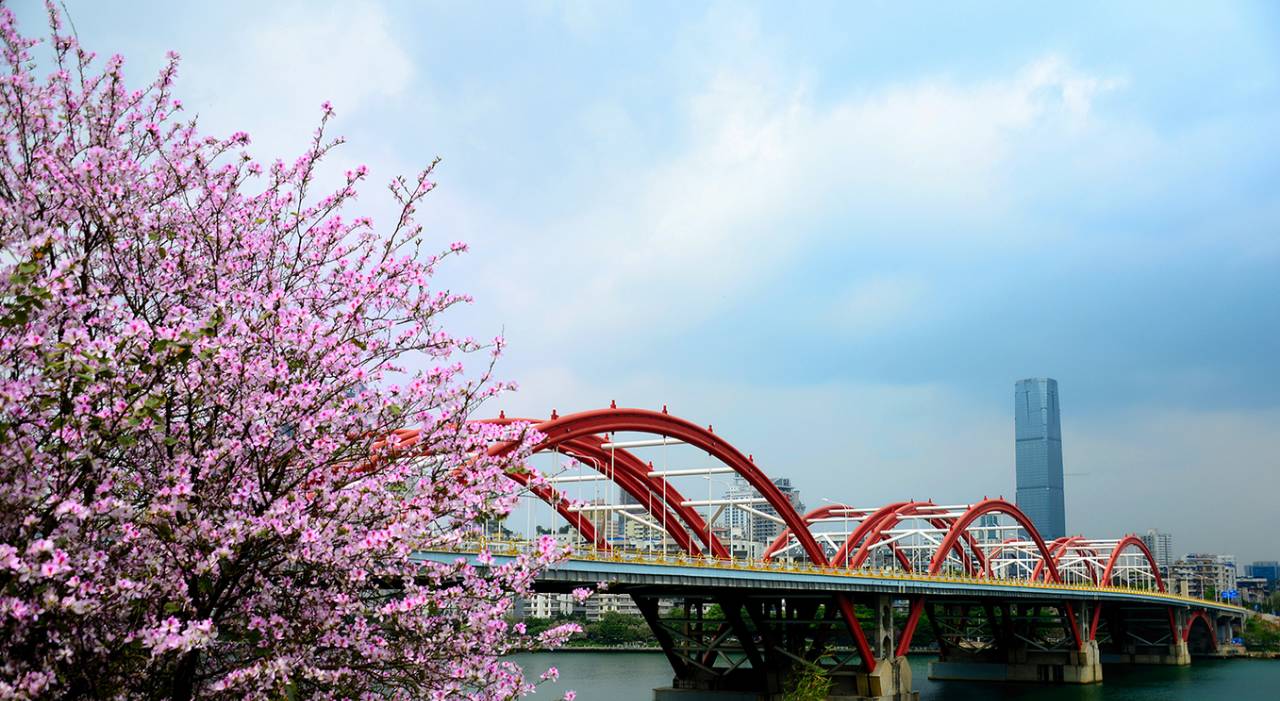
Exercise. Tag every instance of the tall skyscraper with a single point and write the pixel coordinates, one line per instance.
(1161, 547)
(742, 523)
(1038, 435)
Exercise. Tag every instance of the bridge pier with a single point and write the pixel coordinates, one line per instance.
(890, 681)
(891, 678)
(763, 646)
(1142, 635)
(1175, 654)
(1083, 666)
(1013, 642)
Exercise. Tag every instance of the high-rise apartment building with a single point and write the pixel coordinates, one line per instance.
(629, 527)
(748, 525)
(605, 524)
(1161, 547)
(1038, 436)
(1205, 575)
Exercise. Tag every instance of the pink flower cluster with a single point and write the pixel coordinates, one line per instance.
(205, 361)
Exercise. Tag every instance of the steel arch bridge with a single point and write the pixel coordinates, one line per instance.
(646, 515)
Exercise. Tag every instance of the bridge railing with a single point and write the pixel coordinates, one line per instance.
(513, 548)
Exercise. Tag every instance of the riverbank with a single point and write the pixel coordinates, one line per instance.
(631, 675)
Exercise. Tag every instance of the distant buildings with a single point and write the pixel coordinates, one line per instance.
(750, 530)
(1203, 575)
(1253, 590)
(1161, 547)
(603, 521)
(1268, 570)
(740, 522)
(1038, 435)
(631, 528)
(764, 530)
(547, 605)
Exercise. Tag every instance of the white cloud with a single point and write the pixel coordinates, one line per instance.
(767, 166)
(272, 73)
(875, 303)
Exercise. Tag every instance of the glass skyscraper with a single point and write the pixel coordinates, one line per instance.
(1038, 434)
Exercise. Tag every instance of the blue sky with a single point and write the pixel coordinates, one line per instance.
(839, 233)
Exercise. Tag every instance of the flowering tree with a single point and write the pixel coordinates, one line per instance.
(204, 361)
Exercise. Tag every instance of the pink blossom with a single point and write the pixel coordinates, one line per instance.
(207, 363)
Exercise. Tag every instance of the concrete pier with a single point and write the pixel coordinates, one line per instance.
(1082, 666)
(891, 681)
(1175, 654)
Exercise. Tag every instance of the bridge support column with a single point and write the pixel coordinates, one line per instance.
(764, 645)
(1081, 666)
(1143, 635)
(891, 681)
(1174, 654)
(891, 678)
(1016, 643)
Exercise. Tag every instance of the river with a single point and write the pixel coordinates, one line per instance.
(631, 676)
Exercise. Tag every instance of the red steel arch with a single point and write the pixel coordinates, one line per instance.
(957, 530)
(1208, 624)
(582, 436)
(982, 508)
(623, 468)
(635, 481)
(566, 428)
(560, 430)
(874, 528)
(809, 518)
(1132, 541)
(868, 524)
(1059, 549)
(992, 556)
(632, 474)
(562, 507)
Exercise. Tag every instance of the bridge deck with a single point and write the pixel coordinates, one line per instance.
(685, 574)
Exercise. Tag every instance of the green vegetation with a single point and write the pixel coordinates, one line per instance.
(612, 630)
(618, 629)
(1271, 603)
(1261, 635)
(809, 682)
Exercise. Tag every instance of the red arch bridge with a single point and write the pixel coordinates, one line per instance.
(741, 589)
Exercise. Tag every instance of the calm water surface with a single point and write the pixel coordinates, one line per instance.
(631, 676)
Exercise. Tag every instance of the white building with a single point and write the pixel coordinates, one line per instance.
(750, 531)
(1205, 575)
(545, 605)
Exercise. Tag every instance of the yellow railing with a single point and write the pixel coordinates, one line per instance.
(747, 565)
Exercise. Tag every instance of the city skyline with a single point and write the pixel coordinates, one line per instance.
(840, 239)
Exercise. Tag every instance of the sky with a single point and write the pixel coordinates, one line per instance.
(838, 232)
